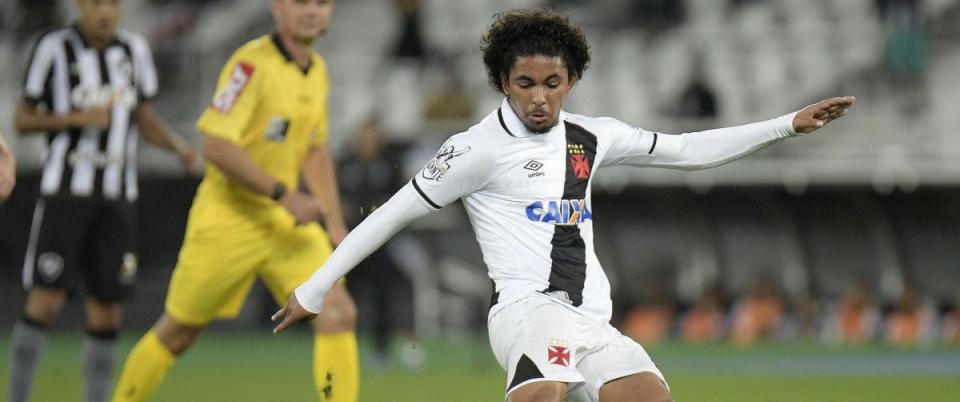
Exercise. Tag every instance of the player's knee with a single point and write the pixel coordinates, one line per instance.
(44, 305)
(174, 335)
(103, 315)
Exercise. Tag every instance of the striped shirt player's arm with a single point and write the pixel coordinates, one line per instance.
(692, 151)
(458, 169)
(40, 67)
(145, 71)
(45, 81)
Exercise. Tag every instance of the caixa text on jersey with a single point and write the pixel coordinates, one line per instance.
(560, 212)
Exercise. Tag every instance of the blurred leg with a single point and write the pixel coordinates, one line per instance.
(100, 348)
(335, 363)
(29, 339)
(152, 357)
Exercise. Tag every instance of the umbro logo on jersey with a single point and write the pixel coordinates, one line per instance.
(534, 166)
(559, 212)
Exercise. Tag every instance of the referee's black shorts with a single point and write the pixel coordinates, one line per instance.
(88, 239)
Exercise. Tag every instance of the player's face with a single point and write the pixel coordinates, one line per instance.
(536, 88)
(303, 19)
(99, 17)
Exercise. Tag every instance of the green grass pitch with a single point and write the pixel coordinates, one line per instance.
(251, 367)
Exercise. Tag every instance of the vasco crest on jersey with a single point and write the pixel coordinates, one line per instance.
(438, 167)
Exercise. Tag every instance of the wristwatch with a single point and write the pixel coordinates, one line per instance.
(278, 191)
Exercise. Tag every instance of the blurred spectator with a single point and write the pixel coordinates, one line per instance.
(409, 40)
(697, 100)
(910, 321)
(452, 101)
(35, 16)
(368, 176)
(758, 314)
(649, 320)
(704, 322)
(906, 50)
(950, 331)
(855, 318)
(805, 316)
(656, 16)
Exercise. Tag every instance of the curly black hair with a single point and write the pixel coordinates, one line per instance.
(534, 32)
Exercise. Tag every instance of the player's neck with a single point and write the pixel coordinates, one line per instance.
(92, 40)
(300, 51)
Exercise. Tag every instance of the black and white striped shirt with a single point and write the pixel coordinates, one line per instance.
(66, 74)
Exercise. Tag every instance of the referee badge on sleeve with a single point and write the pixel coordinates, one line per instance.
(225, 99)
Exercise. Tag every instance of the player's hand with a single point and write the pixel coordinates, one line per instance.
(97, 117)
(8, 175)
(303, 207)
(190, 159)
(290, 314)
(819, 114)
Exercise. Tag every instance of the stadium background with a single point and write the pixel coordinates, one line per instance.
(872, 201)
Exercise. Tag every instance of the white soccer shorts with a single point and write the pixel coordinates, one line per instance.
(540, 338)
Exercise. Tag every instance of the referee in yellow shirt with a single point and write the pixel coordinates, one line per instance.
(265, 129)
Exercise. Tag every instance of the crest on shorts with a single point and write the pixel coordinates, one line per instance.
(50, 266)
(558, 352)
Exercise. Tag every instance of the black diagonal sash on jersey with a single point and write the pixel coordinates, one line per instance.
(568, 270)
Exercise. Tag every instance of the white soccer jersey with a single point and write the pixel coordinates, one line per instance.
(528, 198)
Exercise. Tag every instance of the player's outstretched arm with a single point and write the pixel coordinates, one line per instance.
(160, 134)
(706, 149)
(307, 300)
(8, 170)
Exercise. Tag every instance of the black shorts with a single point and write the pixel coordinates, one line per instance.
(88, 239)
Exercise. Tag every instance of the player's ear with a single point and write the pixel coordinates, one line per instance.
(504, 83)
(571, 82)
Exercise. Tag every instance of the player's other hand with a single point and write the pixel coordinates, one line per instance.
(290, 314)
(303, 207)
(97, 117)
(819, 114)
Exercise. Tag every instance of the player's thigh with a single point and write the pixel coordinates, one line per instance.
(620, 366)
(110, 267)
(536, 339)
(214, 273)
(57, 236)
(639, 387)
(543, 391)
(296, 254)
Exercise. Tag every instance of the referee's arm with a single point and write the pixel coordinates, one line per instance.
(320, 175)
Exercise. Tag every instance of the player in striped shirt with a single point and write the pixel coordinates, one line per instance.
(88, 87)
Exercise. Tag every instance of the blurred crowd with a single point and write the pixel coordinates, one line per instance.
(764, 314)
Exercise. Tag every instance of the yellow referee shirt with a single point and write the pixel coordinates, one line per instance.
(275, 111)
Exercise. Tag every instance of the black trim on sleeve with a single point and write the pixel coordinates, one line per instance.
(503, 123)
(424, 195)
(654, 145)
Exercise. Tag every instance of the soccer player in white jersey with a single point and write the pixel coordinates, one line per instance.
(524, 175)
